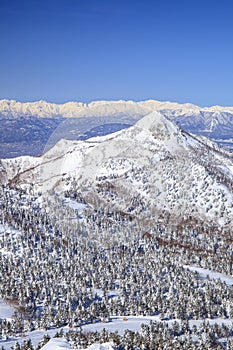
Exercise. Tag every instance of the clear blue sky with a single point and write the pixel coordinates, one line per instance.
(84, 50)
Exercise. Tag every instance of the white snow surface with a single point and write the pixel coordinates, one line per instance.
(61, 343)
(80, 207)
(98, 346)
(133, 323)
(6, 311)
(56, 344)
(206, 273)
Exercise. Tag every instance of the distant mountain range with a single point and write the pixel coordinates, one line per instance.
(32, 127)
(153, 169)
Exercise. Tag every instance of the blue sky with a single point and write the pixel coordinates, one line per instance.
(84, 50)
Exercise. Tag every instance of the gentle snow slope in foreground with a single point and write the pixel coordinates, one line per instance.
(61, 343)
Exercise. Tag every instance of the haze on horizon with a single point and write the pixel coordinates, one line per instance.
(62, 50)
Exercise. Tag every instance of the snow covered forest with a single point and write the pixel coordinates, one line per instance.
(57, 271)
(123, 240)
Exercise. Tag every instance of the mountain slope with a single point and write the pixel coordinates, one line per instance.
(29, 128)
(152, 169)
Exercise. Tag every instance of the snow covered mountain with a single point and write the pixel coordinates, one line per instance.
(152, 169)
(43, 109)
(130, 232)
(25, 128)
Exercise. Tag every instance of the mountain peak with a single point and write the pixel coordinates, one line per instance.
(158, 125)
(176, 173)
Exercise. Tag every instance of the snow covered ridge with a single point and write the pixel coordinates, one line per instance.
(155, 161)
(39, 122)
(12, 108)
